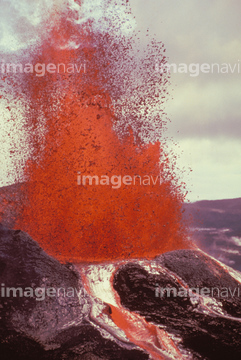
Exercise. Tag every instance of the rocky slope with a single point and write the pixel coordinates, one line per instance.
(126, 310)
(208, 326)
(44, 327)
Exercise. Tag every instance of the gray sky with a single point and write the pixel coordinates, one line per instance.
(205, 111)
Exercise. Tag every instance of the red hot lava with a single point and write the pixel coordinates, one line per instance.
(71, 135)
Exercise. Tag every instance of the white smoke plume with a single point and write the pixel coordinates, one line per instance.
(24, 23)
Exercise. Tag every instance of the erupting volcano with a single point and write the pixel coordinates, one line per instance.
(98, 116)
(96, 210)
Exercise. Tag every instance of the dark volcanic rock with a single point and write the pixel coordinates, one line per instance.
(210, 327)
(198, 271)
(63, 328)
(47, 327)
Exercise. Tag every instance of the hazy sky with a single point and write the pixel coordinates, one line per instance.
(205, 110)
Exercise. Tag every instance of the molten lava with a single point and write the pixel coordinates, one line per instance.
(70, 124)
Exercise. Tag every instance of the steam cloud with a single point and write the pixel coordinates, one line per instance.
(25, 23)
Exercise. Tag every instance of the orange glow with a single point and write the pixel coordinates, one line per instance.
(92, 223)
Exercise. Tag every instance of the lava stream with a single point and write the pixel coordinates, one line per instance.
(121, 323)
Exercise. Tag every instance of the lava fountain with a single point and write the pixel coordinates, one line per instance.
(100, 116)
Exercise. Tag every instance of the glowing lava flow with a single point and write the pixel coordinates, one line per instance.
(97, 280)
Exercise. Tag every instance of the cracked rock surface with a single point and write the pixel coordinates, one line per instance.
(56, 327)
(209, 327)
